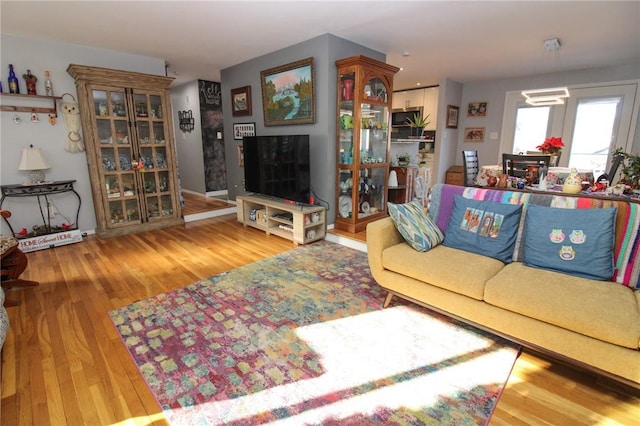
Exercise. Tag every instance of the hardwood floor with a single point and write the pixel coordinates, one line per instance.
(64, 364)
(195, 203)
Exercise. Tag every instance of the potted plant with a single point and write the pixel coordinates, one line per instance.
(630, 168)
(418, 123)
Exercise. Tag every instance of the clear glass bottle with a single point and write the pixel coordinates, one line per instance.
(14, 87)
(48, 86)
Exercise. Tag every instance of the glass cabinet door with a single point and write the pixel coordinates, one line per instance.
(137, 172)
(363, 138)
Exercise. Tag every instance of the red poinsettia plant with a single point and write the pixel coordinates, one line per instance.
(551, 145)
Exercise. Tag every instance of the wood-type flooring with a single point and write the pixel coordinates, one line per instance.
(64, 364)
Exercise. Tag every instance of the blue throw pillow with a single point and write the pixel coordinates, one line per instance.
(415, 225)
(483, 227)
(574, 241)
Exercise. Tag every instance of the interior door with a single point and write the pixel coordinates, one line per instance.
(598, 120)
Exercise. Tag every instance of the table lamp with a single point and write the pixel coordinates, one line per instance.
(34, 162)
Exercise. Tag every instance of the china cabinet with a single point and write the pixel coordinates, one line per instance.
(365, 89)
(126, 123)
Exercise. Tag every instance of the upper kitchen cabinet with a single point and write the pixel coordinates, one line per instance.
(425, 98)
(408, 99)
(126, 123)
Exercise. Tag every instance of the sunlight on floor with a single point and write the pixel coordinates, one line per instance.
(141, 420)
(407, 359)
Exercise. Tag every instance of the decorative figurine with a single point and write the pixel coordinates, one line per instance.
(30, 80)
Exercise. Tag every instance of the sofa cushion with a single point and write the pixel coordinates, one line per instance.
(483, 227)
(436, 267)
(416, 227)
(600, 309)
(573, 241)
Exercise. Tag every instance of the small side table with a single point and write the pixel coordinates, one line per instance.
(40, 191)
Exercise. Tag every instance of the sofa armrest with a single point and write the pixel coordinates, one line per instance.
(380, 235)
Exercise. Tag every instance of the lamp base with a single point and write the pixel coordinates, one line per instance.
(36, 176)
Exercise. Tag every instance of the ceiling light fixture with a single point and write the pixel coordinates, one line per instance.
(541, 97)
(553, 96)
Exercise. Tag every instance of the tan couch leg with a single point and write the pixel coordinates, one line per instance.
(387, 300)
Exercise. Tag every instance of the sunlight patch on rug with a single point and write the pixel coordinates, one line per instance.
(301, 338)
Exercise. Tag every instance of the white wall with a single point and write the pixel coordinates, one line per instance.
(494, 93)
(39, 56)
(189, 144)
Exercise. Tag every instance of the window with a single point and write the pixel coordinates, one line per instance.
(593, 123)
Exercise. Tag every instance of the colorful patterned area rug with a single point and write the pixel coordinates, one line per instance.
(301, 339)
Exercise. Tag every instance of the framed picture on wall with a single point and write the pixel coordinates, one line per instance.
(474, 134)
(477, 109)
(452, 116)
(287, 94)
(240, 130)
(240, 156)
(241, 101)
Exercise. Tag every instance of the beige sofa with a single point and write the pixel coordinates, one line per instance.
(593, 324)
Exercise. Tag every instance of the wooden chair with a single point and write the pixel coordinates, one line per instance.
(516, 165)
(13, 263)
(555, 158)
(618, 158)
(471, 167)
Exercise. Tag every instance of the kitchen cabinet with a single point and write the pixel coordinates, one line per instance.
(426, 98)
(430, 106)
(403, 193)
(126, 124)
(408, 98)
(364, 98)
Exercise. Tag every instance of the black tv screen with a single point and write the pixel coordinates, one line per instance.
(278, 166)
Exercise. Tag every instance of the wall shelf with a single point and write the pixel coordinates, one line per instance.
(14, 98)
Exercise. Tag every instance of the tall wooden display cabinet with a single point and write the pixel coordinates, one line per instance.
(126, 123)
(365, 87)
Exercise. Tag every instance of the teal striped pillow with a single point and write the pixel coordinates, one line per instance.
(416, 227)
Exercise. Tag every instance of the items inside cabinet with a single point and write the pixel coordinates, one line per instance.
(365, 89)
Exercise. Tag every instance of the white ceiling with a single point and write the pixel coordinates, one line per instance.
(462, 40)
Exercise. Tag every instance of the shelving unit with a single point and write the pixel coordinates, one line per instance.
(300, 224)
(364, 89)
(20, 99)
(126, 122)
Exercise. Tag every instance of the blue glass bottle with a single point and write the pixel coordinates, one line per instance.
(14, 87)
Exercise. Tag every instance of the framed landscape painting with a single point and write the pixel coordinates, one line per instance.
(287, 94)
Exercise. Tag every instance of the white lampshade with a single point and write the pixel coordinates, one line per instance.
(33, 161)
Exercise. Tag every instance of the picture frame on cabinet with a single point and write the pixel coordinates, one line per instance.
(477, 109)
(241, 101)
(474, 134)
(288, 94)
(240, 156)
(452, 116)
(240, 130)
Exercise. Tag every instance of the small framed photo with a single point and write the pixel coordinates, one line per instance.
(474, 134)
(477, 109)
(241, 101)
(452, 116)
(240, 156)
(240, 130)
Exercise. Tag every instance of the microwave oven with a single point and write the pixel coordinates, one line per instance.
(399, 116)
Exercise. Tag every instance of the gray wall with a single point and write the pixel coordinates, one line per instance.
(494, 93)
(189, 144)
(39, 56)
(325, 50)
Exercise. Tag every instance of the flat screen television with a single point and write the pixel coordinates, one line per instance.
(278, 166)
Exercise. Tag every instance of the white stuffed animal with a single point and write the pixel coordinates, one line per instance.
(71, 114)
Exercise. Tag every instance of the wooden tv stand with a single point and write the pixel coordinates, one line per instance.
(298, 223)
